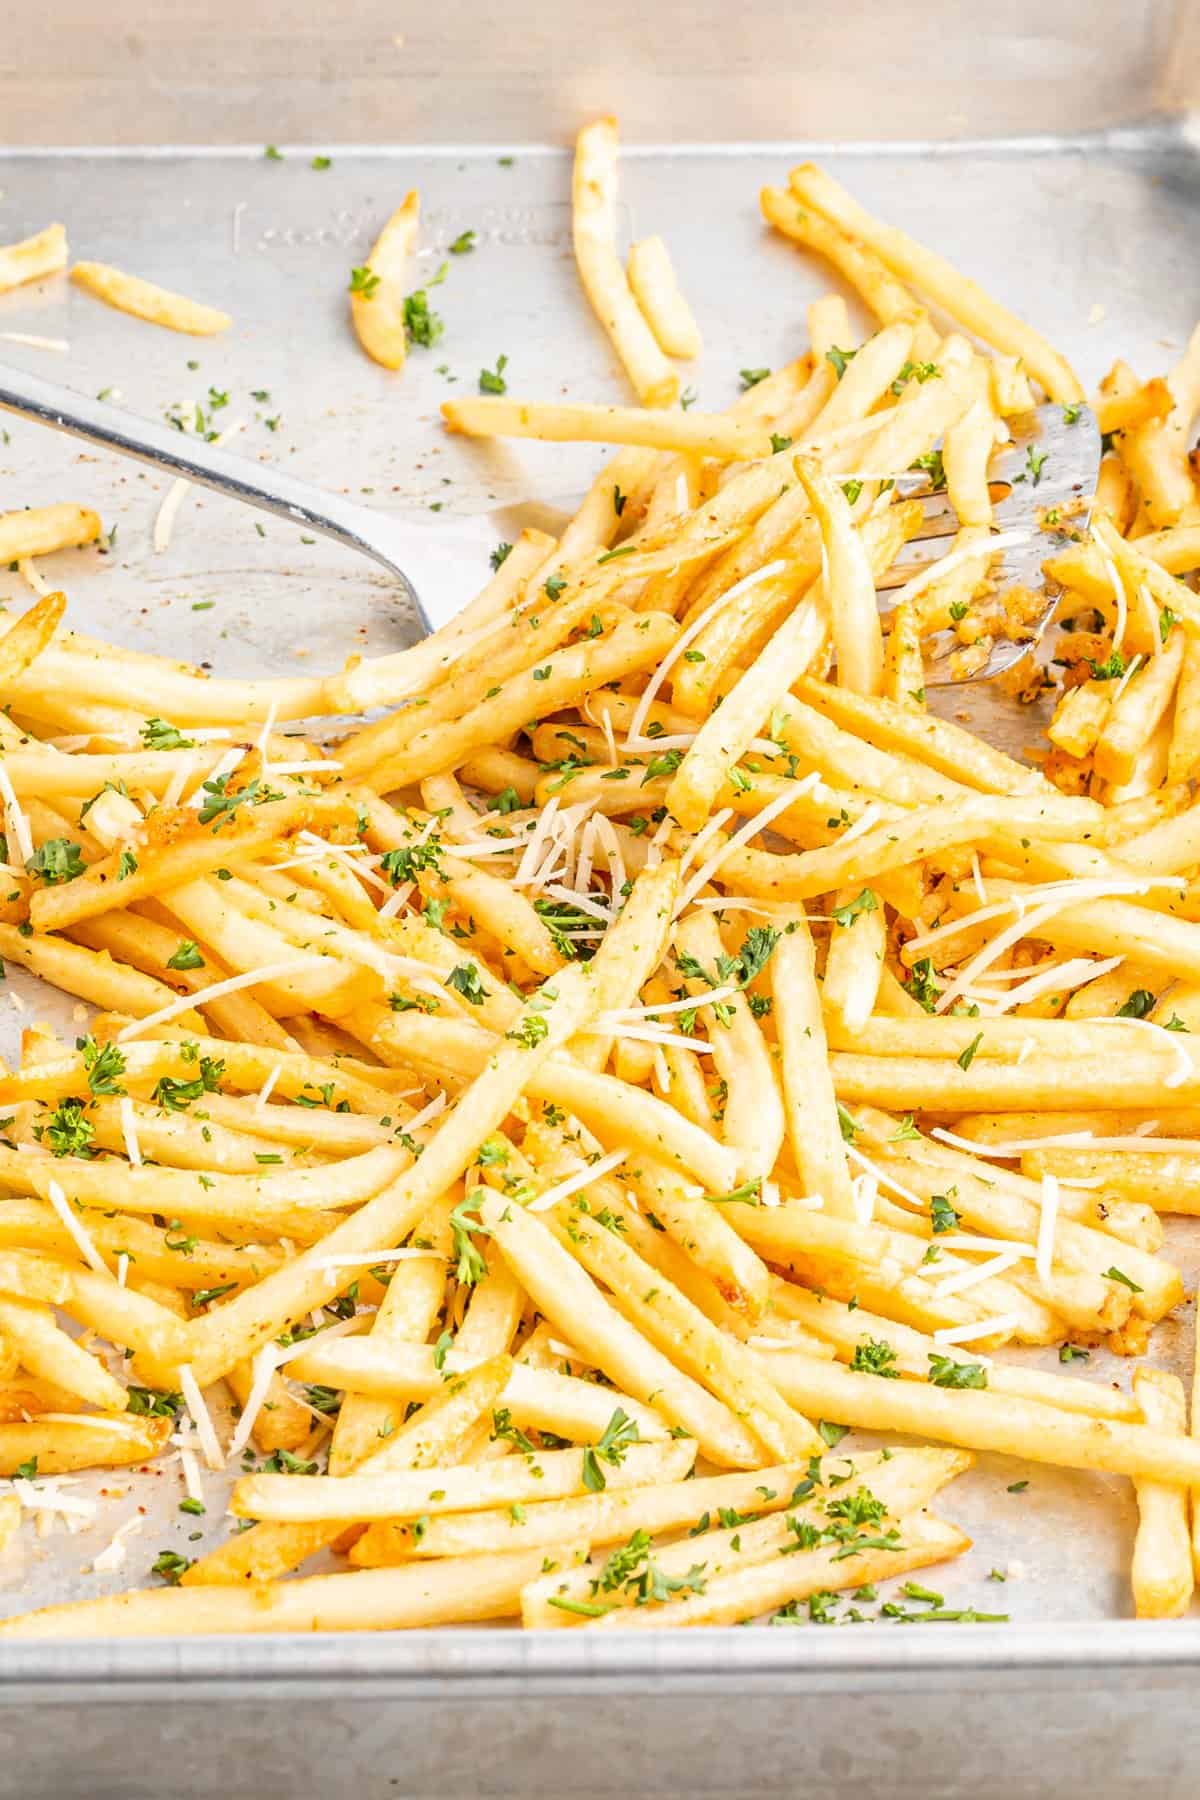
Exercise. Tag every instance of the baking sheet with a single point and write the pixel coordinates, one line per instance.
(1092, 238)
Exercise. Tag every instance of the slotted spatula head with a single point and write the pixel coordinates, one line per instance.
(1045, 478)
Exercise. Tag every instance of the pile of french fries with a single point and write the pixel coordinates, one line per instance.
(521, 1133)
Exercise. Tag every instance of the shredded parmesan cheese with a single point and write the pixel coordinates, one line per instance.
(977, 1328)
(133, 1149)
(201, 1418)
(573, 1183)
(79, 1236)
(16, 823)
(232, 984)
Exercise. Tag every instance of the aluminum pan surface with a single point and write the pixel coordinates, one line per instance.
(1094, 239)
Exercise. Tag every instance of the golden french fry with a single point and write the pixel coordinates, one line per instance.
(549, 1475)
(488, 1587)
(568, 1297)
(932, 275)
(849, 585)
(1162, 1552)
(59, 1445)
(593, 206)
(732, 1598)
(600, 1518)
(145, 300)
(657, 291)
(47, 1351)
(377, 289)
(901, 1482)
(695, 433)
(39, 531)
(43, 254)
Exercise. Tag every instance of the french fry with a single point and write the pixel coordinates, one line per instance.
(593, 206)
(724, 738)
(915, 1353)
(597, 1518)
(1026, 1429)
(573, 672)
(374, 1600)
(933, 276)
(693, 433)
(145, 300)
(45, 253)
(731, 1599)
(539, 1400)
(47, 1351)
(969, 444)
(549, 1475)
(887, 297)
(849, 586)
(178, 850)
(899, 1482)
(709, 1240)
(1136, 714)
(935, 742)
(64, 1443)
(814, 1134)
(857, 947)
(1185, 727)
(377, 291)
(41, 530)
(754, 1110)
(1079, 717)
(1168, 1181)
(1162, 1553)
(903, 678)
(1156, 452)
(657, 291)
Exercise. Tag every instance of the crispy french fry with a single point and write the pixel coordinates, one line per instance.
(599, 1518)
(657, 291)
(47, 1351)
(1162, 1553)
(58, 1445)
(932, 275)
(550, 1475)
(377, 290)
(1026, 1429)
(489, 1587)
(697, 434)
(43, 254)
(849, 585)
(901, 1483)
(39, 531)
(145, 300)
(732, 1598)
(594, 195)
(539, 1400)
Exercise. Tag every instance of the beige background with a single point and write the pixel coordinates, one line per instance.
(119, 72)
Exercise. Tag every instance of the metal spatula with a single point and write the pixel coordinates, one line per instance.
(1046, 475)
(1052, 462)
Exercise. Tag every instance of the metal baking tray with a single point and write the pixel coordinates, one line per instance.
(1093, 236)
